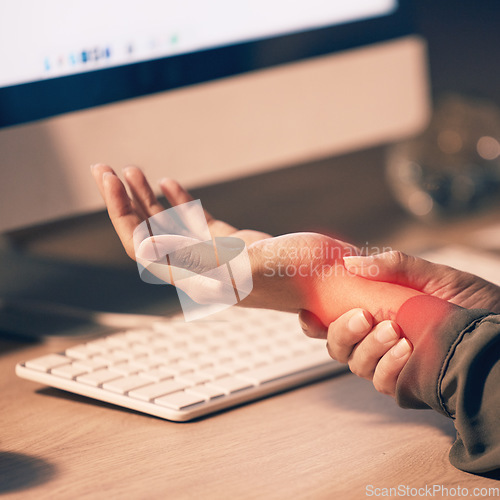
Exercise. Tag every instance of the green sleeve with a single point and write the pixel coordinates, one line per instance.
(455, 369)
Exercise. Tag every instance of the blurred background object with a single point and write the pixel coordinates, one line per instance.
(463, 44)
(453, 168)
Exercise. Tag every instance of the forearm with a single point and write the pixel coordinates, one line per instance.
(335, 296)
(306, 271)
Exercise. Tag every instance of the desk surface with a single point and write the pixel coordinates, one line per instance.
(336, 437)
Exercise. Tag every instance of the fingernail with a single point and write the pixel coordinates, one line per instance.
(107, 175)
(386, 333)
(303, 325)
(401, 349)
(358, 323)
(130, 168)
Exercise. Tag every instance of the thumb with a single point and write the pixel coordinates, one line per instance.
(209, 272)
(188, 253)
(395, 267)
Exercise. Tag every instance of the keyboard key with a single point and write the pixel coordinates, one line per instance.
(110, 358)
(174, 353)
(262, 358)
(193, 364)
(157, 374)
(68, 371)
(193, 351)
(218, 359)
(192, 378)
(123, 354)
(179, 368)
(206, 390)
(154, 391)
(97, 378)
(281, 352)
(285, 368)
(146, 363)
(98, 346)
(231, 384)
(164, 358)
(235, 366)
(45, 363)
(225, 353)
(162, 343)
(142, 349)
(214, 372)
(204, 361)
(126, 384)
(125, 369)
(142, 336)
(179, 343)
(91, 364)
(80, 352)
(180, 400)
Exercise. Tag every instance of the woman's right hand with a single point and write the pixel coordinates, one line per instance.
(458, 287)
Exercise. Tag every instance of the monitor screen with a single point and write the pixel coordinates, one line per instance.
(60, 56)
(198, 90)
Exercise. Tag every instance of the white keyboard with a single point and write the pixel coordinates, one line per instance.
(179, 371)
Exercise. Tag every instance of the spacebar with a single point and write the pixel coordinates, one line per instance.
(285, 368)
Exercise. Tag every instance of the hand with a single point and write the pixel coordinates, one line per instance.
(373, 351)
(126, 213)
(461, 288)
(268, 255)
(290, 272)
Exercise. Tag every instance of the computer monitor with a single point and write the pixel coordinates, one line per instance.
(198, 90)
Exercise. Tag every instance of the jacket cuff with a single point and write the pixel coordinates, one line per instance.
(432, 325)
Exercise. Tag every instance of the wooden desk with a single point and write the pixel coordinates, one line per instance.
(328, 440)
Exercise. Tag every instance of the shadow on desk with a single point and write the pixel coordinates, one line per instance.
(20, 472)
(77, 398)
(389, 413)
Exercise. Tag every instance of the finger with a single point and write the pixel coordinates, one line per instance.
(177, 195)
(311, 325)
(346, 332)
(98, 170)
(120, 210)
(395, 267)
(142, 194)
(389, 367)
(366, 355)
